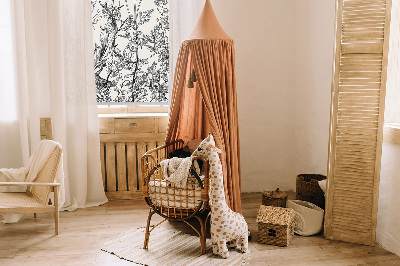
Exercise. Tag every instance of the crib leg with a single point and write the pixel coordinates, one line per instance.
(147, 235)
(203, 236)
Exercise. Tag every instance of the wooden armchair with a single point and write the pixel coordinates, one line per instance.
(36, 197)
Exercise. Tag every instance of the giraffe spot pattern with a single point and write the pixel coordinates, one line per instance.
(226, 225)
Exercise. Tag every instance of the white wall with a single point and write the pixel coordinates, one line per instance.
(314, 60)
(284, 52)
(264, 32)
(388, 227)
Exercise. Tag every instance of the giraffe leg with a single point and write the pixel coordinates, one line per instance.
(222, 249)
(243, 243)
(233, 243)
(215, 248)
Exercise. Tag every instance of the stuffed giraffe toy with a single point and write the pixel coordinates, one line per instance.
(226, 225)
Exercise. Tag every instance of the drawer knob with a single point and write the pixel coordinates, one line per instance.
(133, 124)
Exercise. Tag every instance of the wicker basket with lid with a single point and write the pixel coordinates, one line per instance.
(274, 198)
(308, 189)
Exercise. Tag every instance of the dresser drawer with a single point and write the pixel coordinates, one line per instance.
(162, 124)
(106, 125)
(134, 125)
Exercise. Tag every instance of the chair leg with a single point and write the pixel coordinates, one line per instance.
(203, 232)
(56, 211)
(34, 215)
(147, 235)
(203, 236)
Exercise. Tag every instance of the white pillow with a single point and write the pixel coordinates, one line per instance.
(309, 217)
(322, 184)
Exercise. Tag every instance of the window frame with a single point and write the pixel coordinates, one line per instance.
(126, 108)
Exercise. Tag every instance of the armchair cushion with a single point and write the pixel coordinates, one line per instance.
(16, 199)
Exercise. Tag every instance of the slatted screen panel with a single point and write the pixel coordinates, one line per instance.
(356, 119)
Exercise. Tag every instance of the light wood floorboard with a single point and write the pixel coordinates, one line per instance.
(83, 232)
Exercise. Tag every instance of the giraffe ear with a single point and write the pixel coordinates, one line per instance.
(216, 149)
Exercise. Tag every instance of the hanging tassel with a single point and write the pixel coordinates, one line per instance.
(190, 83)
(193, 76)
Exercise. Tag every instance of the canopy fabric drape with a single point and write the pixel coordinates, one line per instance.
(211, 106)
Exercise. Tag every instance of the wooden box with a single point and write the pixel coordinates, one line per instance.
(275, 225)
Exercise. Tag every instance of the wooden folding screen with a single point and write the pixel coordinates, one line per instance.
(358, 97)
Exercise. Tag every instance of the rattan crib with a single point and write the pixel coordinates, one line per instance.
(170, 202)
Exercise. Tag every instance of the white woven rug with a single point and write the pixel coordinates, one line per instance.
(168, 247)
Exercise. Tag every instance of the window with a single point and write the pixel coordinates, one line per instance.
(131, 53)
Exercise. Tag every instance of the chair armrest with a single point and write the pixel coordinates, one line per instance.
(163, 146)
(149, 154)
(29, 184)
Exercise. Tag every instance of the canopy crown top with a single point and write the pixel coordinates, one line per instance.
(207, 26)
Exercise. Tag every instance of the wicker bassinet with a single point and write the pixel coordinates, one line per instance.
(170, 202)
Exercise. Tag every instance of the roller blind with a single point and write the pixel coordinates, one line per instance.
(358, 97)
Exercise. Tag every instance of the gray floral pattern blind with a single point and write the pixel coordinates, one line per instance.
(131, 53)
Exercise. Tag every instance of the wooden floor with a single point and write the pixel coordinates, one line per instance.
(83, 232)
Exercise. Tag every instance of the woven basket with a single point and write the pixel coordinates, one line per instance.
(275, 225)
(308, 189)
(274, 198)
(277, 235)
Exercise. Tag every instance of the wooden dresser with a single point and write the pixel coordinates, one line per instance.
(123, 141)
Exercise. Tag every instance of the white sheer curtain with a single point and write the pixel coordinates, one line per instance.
(55, 77)
(10, 147)
(183, 18)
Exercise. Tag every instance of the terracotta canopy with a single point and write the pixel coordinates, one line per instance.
(211, 105)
